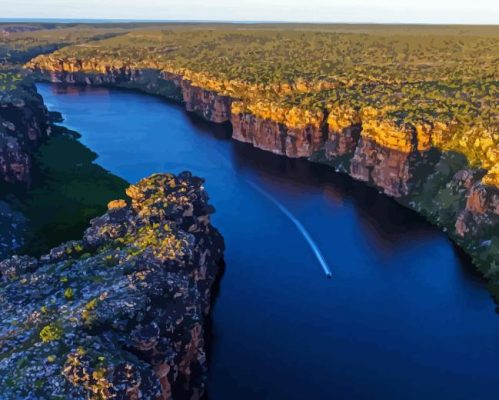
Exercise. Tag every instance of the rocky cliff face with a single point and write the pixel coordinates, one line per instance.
(383, 156)
(276, 137)
(208, 104)
(120, 313)
(23, 125)
(371, 150)
(342, 143)
(481, 210)
(385, 168)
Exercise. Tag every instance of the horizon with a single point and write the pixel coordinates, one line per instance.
(426, 12)
(206, 21)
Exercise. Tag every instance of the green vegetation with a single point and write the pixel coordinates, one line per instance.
(68, 190)
(69, 294)
(20, 46)
(9, 81)
(50, 333)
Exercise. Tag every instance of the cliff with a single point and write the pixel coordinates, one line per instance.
(120, 313)
(364, 143)
(206, 103)
(23, 126)
(270, 135)
(374, 145)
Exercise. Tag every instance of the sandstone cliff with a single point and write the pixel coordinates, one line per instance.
(120, 313)
(206, 103)
(398, 158)
(270, 135)
(23, 125)
(361, 143)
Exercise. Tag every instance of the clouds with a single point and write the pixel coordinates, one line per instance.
(418, 11)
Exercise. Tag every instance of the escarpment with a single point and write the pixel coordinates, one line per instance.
(120, 313)
(23, 125)
(360, 143)
(387, 157)
(410, 160)
(206, 103)
(276, 137)
(294, 135)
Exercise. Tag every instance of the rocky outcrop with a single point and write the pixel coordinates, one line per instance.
(120, 313)
(482, 210)
(208, 104)
(23, 125)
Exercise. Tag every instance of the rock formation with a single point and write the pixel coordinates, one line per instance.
(120, 313)
(270, 135)
(206, 103)
(23, 125)
(395, 157)
(482, 210)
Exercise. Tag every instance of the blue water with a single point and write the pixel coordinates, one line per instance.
(404, 315)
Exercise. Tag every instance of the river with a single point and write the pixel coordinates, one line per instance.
(404, 315)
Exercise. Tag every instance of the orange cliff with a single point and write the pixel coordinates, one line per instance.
(290, 132)
(207, 103)
(380, 151)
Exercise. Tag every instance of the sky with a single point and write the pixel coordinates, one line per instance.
(377, 11)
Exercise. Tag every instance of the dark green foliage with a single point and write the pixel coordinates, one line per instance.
(68, 191)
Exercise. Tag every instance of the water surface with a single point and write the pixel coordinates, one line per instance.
(404, 315)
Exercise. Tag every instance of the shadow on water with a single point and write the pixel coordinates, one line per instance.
(379, 213)
(209, 331)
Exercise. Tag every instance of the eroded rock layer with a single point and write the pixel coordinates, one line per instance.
(120, 313)
(276, 137)
(208, 104)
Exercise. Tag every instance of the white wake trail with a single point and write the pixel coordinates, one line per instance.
(298, 224)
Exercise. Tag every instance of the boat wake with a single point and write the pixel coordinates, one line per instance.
(298, 224)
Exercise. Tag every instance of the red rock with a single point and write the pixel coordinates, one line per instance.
(388, 169)
(275, 137)
(342, 143)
